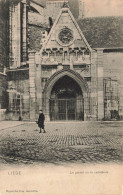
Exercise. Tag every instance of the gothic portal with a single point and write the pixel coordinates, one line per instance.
(66, 97)
(66, 100)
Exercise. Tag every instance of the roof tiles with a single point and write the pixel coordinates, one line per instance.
(103, 32)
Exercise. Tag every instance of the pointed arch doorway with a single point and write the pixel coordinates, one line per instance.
(66, 100)
(65, 97)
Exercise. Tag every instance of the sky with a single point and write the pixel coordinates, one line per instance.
(103, 8)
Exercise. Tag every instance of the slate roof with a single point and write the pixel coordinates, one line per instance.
(103, 32)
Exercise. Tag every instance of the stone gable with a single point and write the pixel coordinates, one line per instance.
(65, 20)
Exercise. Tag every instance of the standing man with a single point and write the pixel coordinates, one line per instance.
(41, 121)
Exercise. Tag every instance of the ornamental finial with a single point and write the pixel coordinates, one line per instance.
(65, 4)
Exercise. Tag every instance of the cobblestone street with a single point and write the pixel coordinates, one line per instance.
(73, 142)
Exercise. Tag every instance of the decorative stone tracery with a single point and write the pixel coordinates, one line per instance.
(57, 55)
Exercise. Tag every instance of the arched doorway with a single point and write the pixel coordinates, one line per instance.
(66, 96)
(66, 100)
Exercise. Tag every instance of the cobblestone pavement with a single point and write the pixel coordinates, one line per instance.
(82, 142)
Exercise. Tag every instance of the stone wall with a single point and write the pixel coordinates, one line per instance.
(2, 45)
(24, 18)
(4, 10)
(34, 37)
(18, 93)
(3, 87)
(3, 96)
(3, 57)
(113, 84)
(52, 10)
(113, 65)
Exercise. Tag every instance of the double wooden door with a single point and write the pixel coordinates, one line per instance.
(66, 109)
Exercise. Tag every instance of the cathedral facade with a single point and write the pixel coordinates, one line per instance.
(66, 64)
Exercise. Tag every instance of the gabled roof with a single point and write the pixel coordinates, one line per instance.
(103, 32)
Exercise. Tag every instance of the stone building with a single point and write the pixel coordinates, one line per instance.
(62, 62)
(3, 56)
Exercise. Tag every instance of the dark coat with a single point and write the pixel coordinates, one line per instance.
(41, 121)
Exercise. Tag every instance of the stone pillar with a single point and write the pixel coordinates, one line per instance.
(93, 88)
(38, 83)
(10, 36)
(15, 34)
(24, 31)
(32, 75)
(18, 41)
(86, 107)
(47, 110)
(100, 84)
